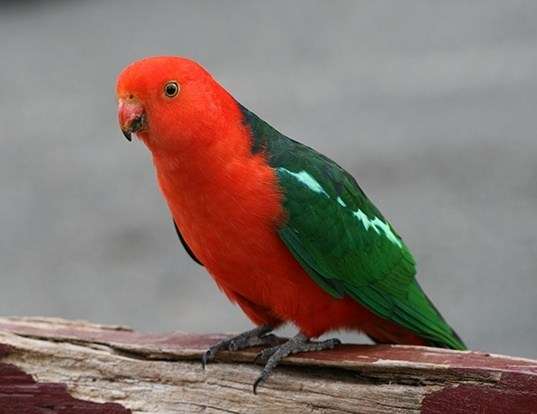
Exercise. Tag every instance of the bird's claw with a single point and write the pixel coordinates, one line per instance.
(273, 356)
(270, 356)
(208, 356)
(264, 355)
(255, 337)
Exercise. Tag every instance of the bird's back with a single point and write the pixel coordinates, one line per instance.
(342, 240)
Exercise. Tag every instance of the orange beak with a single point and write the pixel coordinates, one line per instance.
(131, 117)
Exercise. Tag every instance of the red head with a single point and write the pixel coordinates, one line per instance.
(169, 102)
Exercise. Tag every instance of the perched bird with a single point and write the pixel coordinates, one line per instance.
(285, 232)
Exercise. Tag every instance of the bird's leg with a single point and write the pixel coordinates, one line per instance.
(255, 337)
(299, 343)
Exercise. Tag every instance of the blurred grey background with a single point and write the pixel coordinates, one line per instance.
(431, 105)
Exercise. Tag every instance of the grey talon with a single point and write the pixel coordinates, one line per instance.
(299, 343)
(254, 337)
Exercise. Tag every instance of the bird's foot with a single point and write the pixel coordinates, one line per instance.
(299, 343)
(256, 337)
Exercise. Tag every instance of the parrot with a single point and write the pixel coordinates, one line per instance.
(286, 233)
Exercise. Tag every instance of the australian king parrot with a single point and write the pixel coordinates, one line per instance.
(286, 233)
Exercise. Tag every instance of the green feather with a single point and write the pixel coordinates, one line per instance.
(341, 239)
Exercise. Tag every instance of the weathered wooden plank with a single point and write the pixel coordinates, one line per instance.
(160, 373)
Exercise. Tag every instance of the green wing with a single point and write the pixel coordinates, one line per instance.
(342, 240)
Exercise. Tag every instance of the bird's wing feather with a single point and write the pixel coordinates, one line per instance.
(342, 240)
(185, 245)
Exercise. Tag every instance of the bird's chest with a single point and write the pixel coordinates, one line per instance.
(229, 221)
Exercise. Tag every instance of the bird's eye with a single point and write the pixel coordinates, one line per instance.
(171, 89)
